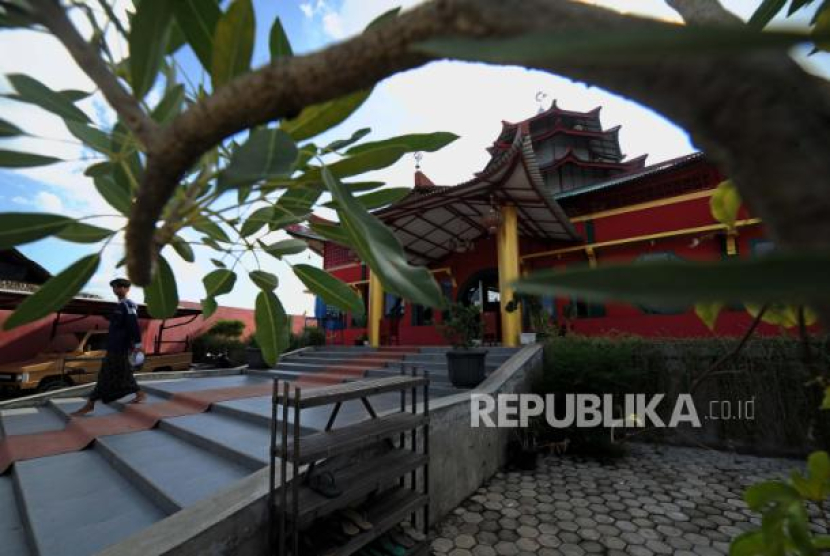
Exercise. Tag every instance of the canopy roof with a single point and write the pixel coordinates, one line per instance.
(428, 219)
(9, 301)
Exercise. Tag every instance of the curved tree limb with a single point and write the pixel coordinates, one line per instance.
(53, 16)
(760, 103)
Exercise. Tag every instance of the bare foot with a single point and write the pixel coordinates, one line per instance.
(88, 407)
(139, 397)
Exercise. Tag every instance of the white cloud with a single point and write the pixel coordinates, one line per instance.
(49, 202)
(21, 200)
(307, 9)
(333, 25)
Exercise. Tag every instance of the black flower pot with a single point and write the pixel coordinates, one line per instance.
(254, 358)
(466, 367)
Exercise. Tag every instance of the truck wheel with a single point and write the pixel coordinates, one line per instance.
(56, 383)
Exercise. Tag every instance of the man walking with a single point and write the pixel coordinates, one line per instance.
(115, 379)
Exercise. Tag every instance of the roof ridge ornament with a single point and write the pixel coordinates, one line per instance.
(540, 99)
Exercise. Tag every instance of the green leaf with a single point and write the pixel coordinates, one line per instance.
(318, 118)
(256, 221)
(197, 20)
(760, 495)
(278, 42)
(363, 185)
(294, 206)
(794, 278)
(384, 18)
(115, 193)
(55, 293)
(268, 153)
(183, 248)
(93, 138)
(725, 203)
(343, 143)
(219, 264)
(264, 280)
(8, 129)
(74, 95)
(765, 12)
(428, 142)
(209, 307)
(162, 295)
(332, 232)
(818, 464)
(233, 43)
(219, 282)
(826, 403)
(16, 159)
(171, 105)
(377, 199)
(210, 229)
(32, 91)
(149, 35)
(367, 161)
(646, 44)
(79, 232)
(272, 330)
(286, 247)
(381, 250)
(822, 542)
(17, 228)
(332, 290)
(750, 543)
(708, 313)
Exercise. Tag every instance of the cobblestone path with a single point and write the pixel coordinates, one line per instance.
(656, 500)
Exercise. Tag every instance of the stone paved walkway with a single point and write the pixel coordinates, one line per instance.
(656, 500)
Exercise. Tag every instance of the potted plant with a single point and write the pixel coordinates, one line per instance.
(463, 328)
(253, 354)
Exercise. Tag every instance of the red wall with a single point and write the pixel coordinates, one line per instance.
(27, 341)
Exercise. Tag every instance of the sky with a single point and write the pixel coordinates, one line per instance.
(470, 100)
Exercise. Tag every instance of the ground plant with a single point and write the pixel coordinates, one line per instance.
(246, 137)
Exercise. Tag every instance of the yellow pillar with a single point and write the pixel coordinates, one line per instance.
(508, 253)
(375, 309)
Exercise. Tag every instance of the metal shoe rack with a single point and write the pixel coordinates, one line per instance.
(386, 485)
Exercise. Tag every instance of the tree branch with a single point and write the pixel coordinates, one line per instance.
(53, 16)
(780, 165)
(704, 12)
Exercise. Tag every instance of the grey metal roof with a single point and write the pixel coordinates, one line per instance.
(647, 171)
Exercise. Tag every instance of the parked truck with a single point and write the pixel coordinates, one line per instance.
(74, 359)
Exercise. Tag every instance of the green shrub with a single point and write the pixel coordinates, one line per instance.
(214, 345)
(589, 365)
(226, 327)
(312, 336)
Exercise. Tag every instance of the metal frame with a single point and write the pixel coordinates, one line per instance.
(282, 522)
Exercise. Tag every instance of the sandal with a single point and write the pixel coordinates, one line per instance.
(357, 518)
(349, 528)
(323, 483)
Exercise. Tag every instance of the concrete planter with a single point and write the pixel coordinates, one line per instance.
(466, 367)
(527, 338)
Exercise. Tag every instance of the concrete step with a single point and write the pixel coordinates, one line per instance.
(312, 368)
(344, 357)
(232, 438)
(12, 530)
(336, 362)
(154, 458)
(442, 357)
(30, 420)
(77, 504)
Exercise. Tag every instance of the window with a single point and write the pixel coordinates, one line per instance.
(393, 305)
(422, 316)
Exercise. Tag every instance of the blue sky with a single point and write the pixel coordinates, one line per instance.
(470, 100)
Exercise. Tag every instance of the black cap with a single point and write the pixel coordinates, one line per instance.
(120, 282)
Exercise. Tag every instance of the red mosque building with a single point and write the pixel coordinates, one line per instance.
(557, 193)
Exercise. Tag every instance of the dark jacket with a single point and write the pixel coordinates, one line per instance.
(124, 333)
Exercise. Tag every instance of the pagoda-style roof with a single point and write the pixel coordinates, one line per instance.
(429, 220)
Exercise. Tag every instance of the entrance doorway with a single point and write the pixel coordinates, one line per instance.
(482, 290)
